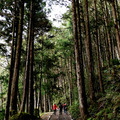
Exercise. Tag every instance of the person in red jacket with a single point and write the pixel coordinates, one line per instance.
(54, 108)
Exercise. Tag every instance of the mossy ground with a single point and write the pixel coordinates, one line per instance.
(24, 116)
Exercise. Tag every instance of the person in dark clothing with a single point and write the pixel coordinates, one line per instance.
(60, 107)
(59, 102)
(65, 108)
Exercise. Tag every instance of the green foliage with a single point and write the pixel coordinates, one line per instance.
(2, 113)
(75, 111)
(115, 62)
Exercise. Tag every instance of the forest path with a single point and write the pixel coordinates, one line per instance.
(46, 116)
(63, 116)
(51, 116)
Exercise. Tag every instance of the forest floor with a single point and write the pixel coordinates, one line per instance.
(51, 116)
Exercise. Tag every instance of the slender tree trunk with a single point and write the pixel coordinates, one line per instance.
(11, 69)
(67, 70)
(19, 99)
(31, 81)
(26, 77)
(107, 28)
(118, 12)
(44, 97)
(89, 54)
(49, 103)
(40, 84)
(98, 54)
(17, 62)
(84, 34)
(79, 72)
(36, 97)
(1, 104)
(116, 26)
(71, 79)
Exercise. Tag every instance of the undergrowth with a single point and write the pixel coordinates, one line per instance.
(107, 106)
(2, 113)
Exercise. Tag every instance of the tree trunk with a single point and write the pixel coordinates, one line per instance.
(31, 82)
(84, 34)
(79, 72)
(1, 104)
(89, 54)
(107, 28)
(67, 66)
(35, 93)
(44, 97)
(116, 26)
(19, 100)
(40, 83)
(118, 12)
(11, 68)
(98, 54)
(26, 77)
(17, 62)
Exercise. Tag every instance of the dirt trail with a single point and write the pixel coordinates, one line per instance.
(62, 116)
(51, 116)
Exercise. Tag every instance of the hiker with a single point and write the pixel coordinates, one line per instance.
(65, 107)
(60, 107)
(59, 102)
(54, 108)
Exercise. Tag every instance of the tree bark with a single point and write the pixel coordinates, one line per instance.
(31, 82)
(26, 77)
(40, 83)
(17, 62)
(79, 72)
(107, 28)
(118, 12)
(1, 104)
(89, 53)
(116, 26)
(11, 68)
(98, 54)
(69, 83)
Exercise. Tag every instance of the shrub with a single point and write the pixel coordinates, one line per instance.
(23, 116)
(2, 112)
(74, 110)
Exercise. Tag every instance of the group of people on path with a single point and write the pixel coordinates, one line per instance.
(64, 106)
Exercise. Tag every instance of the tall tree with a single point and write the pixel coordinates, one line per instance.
(11, 66)
(89, 53)
(31, 82)
(79, 72)
(107, 27)
(26, 77)
(98, 53)
(17, 61)
(116, 25)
